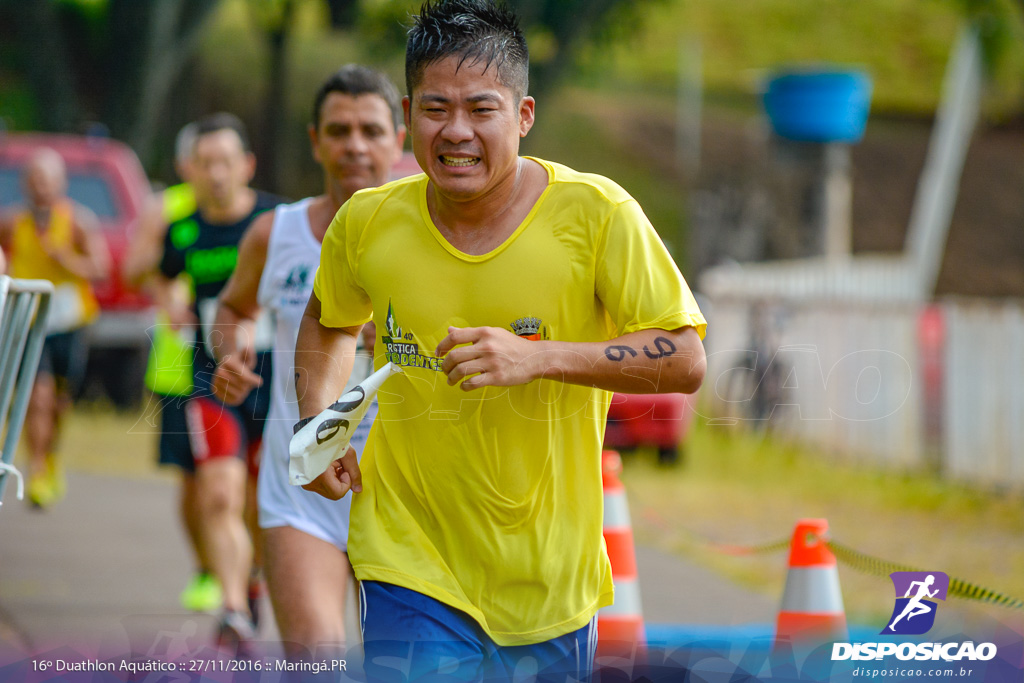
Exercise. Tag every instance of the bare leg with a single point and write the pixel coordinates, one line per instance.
(220, 492)
(255, 589)
(189, 510)
(308, 581)
(251, 520)
(40, 422)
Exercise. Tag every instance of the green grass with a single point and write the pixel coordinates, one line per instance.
(97, 439)
(746, 489)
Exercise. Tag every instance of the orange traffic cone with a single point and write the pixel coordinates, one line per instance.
(620, 626)
(812, 604)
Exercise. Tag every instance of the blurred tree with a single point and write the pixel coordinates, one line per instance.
(114, 61)
(275, 18)
(344, 13)
(556, 29)
(1000, 25)
(559, 29)
(119, 61)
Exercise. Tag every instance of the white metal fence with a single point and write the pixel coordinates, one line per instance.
(910, 386)
(23, 308)
(984, 397)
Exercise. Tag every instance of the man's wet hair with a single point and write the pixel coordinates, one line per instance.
(476, 31)
(355, 80)
(221, 121)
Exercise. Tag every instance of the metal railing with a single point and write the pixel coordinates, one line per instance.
(23, 309)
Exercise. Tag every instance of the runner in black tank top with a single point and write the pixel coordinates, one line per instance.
(223, 439)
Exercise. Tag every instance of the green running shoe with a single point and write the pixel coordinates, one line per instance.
(202, 594)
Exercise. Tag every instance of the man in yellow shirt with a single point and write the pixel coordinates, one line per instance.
(517, 294)
(53, 238)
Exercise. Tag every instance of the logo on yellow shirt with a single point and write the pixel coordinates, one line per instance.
(531, 328)
(401, 350)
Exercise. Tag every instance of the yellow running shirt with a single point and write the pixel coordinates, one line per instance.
(73, 304)
(490, 501)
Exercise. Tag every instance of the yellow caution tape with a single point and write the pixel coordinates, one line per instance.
(860, 561)
(957, 587)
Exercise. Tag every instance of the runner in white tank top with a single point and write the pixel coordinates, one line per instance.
(293, 254)
(356, 136)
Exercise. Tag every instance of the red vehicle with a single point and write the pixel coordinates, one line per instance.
(658, 420)
(405, 167)
(106, 176)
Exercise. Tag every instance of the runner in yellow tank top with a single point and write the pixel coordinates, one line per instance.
(516, 294)
(39, 253)
(57, 240)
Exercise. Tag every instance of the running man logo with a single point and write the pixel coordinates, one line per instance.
(914, 613)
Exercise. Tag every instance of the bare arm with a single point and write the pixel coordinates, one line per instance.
(645, 362)
(6, 225)
(146, 246)
(323, 360)
(173, 297)
(88, 256)
(236, 317)
(141, 266)
(323, 363)
(6, 229)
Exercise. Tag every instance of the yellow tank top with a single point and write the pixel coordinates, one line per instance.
(73, 304)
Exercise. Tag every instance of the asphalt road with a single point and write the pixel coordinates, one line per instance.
(101, 572)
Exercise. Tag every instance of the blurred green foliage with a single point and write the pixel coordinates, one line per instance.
(1001, 24)
(557, 30)
(628, 51)
(110, 61)
(903, 44)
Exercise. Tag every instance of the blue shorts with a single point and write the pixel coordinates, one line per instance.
(408, 636)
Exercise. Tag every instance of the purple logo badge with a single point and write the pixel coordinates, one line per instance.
(916, 593)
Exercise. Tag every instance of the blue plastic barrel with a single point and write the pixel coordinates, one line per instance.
(818, 106)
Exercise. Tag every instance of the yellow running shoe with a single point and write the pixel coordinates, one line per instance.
(202, 594)
(40, 490)
(58, 478)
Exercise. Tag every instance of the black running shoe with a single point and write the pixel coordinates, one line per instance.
(236, 635)
(257, 589)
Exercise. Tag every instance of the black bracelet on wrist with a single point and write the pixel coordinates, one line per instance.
(300, 424)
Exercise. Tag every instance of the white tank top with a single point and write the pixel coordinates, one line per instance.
(293, 255)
